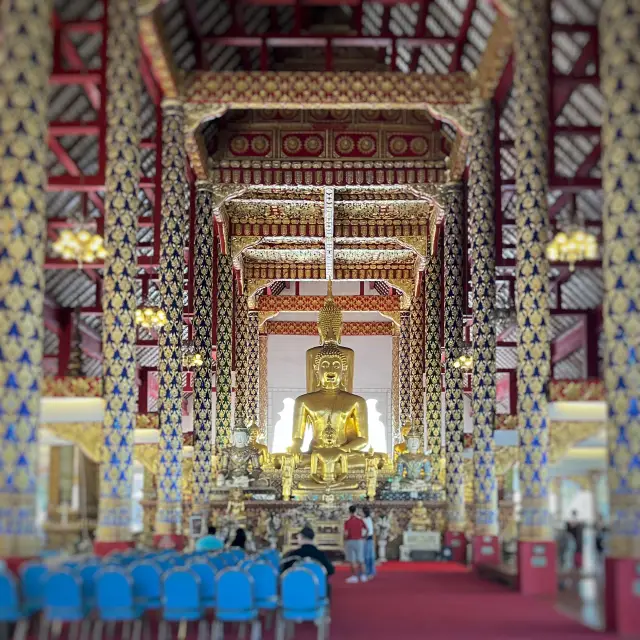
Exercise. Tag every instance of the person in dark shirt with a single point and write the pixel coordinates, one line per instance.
(240, 540)
(307, 550)
(601, 531)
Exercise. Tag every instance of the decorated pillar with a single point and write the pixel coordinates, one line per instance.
(453, 343)
(175, 202)
(26, 41)
(203, 342)
(416, 341)
(486, 545)
(395, 387)
(536, 550)
(224, 342)
(253, 357)
(119, 291)
(242, 358)
(263, 388)
(404, 370)
(619, 29)
(433, 359)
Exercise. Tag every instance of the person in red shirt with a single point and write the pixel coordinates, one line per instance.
(355, 532)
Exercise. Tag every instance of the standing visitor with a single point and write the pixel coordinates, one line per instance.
(601, 531)
(354, 538)
(369, 545)
(575, 530)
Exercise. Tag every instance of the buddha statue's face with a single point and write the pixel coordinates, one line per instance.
(413, 444)
(329, 371)
(240, 438)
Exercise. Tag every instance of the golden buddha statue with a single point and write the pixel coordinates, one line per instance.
(401, 447)
(338, 419)
(261, 451)
(419, 519)
(330, 330)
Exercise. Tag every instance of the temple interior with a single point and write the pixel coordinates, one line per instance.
(263, 260)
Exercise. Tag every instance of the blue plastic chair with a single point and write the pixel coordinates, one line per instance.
(265, 585)
(147, 584)
(181, 601)
(87, 576)
(320, 573)
(301, 601)
(33, 576)
(63, 601)
(235, 601)
(114, 596)
(10, 609)
(207, 575)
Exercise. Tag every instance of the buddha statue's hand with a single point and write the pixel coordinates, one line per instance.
(296, 447)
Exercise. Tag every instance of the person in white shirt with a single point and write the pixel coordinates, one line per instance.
(369, 545)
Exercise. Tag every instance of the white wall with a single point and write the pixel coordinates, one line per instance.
(286, 379)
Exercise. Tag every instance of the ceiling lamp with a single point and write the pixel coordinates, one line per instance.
(572, 243)
(80, 243)
(191, 359)
(464, 362)
(150, 316)
(571, 246)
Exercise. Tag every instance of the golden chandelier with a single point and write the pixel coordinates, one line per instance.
(191, 359)
(572, 245)
(150, 316)
(464, 362)
(80, 243)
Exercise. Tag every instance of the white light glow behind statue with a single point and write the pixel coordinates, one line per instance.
(283, 428)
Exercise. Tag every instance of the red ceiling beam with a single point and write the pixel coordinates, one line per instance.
(322, 41)
(91, 343)
(562, 183)
(461, 40)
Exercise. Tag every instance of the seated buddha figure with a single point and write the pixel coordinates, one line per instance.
(414, 466)
(330, 408)
(330, 330)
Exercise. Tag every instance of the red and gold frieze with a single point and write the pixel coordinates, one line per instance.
(315, 303)
(317, 173)
(272, 327)
(72, 387)
(576, 390)
(316, 89)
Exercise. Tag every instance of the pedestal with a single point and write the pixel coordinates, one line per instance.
(457, 542)
(486, 550)
(537, 570)
(621, 601)
(105, 548)
(169, 541)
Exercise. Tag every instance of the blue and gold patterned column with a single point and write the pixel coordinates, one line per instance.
(174, 222)
(481, 202)
(119, 291)
(203, 342)
(25, 62)
(536, 557)
(404, 364)
(453, 342)
(416, 355)
(242, 358)
(620, 69)
(433, 358)
(224, 344)
(253, 357)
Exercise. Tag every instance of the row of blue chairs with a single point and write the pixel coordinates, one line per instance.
(123, 588)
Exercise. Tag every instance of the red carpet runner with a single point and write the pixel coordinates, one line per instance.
(404, 604)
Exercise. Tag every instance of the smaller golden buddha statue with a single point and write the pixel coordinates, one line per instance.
(260, 451)
(371, 474)
(235, 507)
(419, 519)
(287, 467)
(401, 447)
